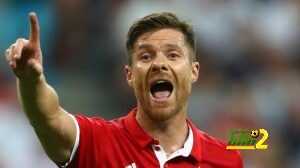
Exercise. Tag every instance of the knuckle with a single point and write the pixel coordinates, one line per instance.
(26, 41)
(21, 40)
(13, 46)
(18, 41)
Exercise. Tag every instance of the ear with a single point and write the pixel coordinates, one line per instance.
(195, 71)
(128, 72)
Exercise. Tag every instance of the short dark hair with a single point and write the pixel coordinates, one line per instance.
(157, 21)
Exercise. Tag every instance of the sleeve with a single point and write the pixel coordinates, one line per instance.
(239, 160)
(88, 142)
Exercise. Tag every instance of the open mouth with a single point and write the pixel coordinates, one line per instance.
(161, 89)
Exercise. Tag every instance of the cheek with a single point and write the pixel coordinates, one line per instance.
(184, 71)
(139, 75)
(184, 75)
(185, 84)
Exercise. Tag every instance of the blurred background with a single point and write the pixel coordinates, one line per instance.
(249, 78)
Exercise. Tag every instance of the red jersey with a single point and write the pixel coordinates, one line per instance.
(122, 143)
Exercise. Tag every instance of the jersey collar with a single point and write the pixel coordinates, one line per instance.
(197, 143)
(143, 139)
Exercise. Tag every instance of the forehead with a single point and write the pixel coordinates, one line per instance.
(161, 38)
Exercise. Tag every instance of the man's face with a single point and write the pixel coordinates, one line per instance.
(162, 73)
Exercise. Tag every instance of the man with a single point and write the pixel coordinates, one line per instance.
(162, 67)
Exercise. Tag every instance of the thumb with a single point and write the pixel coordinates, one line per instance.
(36, 66)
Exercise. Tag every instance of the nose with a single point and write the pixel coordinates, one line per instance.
(159, 64)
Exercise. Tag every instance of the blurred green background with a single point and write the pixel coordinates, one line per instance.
(249, 78)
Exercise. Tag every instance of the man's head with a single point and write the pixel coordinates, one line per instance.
(162, 64)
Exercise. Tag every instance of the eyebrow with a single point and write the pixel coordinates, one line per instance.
(143, 46)
(172, 46)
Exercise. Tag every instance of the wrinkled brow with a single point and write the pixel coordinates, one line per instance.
(145, 46)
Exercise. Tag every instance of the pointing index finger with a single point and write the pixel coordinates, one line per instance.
(34, 36)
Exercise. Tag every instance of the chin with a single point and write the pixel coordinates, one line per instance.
(162, 113)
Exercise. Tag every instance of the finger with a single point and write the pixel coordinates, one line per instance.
(34, 36)
(19, 47)
(12, 56)
(8, 57)
(12, 47)
(7, 52)
(13, 52)
(12, 64)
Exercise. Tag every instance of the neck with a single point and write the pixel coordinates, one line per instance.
(170, 133)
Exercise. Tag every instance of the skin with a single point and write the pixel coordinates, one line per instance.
(163, 54)
(53, 125)
(55, 128)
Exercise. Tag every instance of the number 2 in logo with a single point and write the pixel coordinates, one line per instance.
(260, 143)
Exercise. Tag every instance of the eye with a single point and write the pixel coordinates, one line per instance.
(145, 56)
(173, 55)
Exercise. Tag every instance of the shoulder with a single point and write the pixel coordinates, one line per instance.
(98, 122)
(93, 132)
(214, 151)
(95, 137)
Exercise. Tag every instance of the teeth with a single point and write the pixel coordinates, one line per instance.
(160, 81)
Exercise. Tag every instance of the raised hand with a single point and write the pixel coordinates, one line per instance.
(25, 56)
